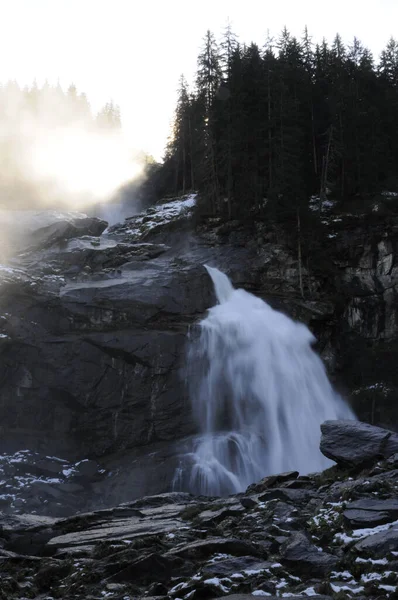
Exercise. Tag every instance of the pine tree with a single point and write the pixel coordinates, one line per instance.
(388, 67)
(228, 46)
(181, 143)
(266, 130)
(208, 80)
(109, 117)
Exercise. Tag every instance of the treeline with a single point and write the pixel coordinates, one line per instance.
(52, 106)
(267, 128)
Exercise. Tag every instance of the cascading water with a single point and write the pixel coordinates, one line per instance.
(259, 392)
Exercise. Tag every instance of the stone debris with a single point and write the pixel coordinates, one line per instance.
(339, 541)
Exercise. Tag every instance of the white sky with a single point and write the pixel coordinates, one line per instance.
(134, 52)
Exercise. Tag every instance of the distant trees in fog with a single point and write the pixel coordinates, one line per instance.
(32, 116)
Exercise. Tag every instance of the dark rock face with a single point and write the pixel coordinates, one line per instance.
(92, 343)
(249, 597)
(91, 359)
(370, 513)
(31, 482)
(379, 544)
(62, 231)
(270, 481)
(287, 494)
(93, 330)
(301, 555)
(229, 566)
(354, 443)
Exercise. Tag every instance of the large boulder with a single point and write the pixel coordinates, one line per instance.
(370, 512)
(305, 558)
(379, 544)
(352, 443)
(64, 230)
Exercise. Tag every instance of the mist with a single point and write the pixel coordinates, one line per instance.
(57, 158)
(55, 154)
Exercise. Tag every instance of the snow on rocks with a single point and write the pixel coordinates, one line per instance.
(31, 482)
(166, 546)
(155, 218)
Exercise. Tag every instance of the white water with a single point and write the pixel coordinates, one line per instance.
(259, 392)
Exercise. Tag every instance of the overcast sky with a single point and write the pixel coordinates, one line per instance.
(134, 52)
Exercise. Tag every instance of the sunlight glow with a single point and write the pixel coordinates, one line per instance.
(82, 167)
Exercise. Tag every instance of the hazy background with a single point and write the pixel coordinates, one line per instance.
(134, 52)
(88, 87)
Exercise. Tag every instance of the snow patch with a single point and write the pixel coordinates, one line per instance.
(373, 561)
(218, 583)
(346, 588)
(362, 533)
(309, 592)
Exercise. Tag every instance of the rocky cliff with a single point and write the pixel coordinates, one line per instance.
(93, 325)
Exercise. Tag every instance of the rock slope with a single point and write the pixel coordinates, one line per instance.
(327, 535)
(93, 325)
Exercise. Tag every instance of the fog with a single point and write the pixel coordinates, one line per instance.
(55, 153)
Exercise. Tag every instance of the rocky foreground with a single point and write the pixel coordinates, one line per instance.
(327, 535)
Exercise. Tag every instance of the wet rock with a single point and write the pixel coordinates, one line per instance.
(369, 512)
(296, 496)
(379, 544)
(393, 460)
(157, 590)
(40, 466)
(87, 468)
(304, 558)
(47, 489)
(270, 481)
(144, 548)
(284, 512)
(72, 488)
(60, 231)
(97, 329)
(293, 597)
(210, 517)
(145, 569)
(128, 528)
(226, 568)
(51, 573)
(203, 548)
(277, 542)
(355, 443)
(248, 502)
(162, 500)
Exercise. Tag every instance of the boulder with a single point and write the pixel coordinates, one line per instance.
(296, 496)
(64, 230)
(147, 569)
(248, 502)
(210, 546)
(87, 468)
(212, 517)
(226, 568)
(269, 597)
(270, 481)
(351, 443)
(379, 544)
(369, 512)
(304, 558)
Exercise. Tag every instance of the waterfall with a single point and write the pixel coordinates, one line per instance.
(259, 394)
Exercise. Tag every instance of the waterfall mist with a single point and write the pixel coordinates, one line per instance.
(259, 395)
